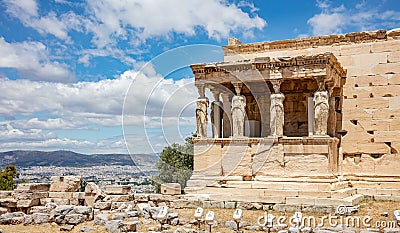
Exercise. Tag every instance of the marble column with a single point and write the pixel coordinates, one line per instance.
(226, 119)
(277, 117)
(321, 109)
(201, 112)
(216, 114)
(238, 111)
(331, 131)
(264, 102)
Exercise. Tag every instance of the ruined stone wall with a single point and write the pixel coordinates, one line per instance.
(371, 94)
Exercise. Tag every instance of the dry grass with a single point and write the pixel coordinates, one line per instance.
(368, 208)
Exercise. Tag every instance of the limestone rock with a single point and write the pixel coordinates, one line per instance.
(34, 187)
(40, 218)
(65, 183)
(27, 203)
(141, 197)
(252, 228)
(8, 202)
(85, 210)
(74, 219)
(12, 218)
(233, 225)
(101, 219)
(129, 226)
(92, 188)
(39, 209)
(86, 229)
(57, 201)
(3, 210)
(117, 189)
(102, 205)
(67, 228)
(171, 188)
(28, 220)
(113, 226)
(63, 210)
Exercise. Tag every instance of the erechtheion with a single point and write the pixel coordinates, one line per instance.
(303, 121)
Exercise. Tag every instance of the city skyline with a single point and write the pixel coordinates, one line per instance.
(67, 66)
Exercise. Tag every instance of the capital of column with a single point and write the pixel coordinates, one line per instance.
(238, 87)
(276, 84)
(226, 95)
(216, 92)
(321, 83)
(201, 89)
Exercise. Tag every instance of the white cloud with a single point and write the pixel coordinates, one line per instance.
(111, 25)
(8, 134)
(31, 59)
(138, 20)
(144, 19)
(153, 102)
(362, 16)
(22, 8)
(324, 24)
(59, 26)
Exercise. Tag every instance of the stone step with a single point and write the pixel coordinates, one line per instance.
(374, 191)
(305, 186)
(266, 193)
(348, 201)
(248, 198)
(385, 197)
(376, 185)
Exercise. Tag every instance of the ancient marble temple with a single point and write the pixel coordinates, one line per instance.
(304, 121)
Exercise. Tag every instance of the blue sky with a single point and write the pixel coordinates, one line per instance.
(79, 75)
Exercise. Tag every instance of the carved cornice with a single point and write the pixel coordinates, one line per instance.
(303, 43)
(327, 61)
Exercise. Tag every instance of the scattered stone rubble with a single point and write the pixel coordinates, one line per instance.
(117, 209)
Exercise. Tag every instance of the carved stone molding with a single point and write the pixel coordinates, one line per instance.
(303, 43)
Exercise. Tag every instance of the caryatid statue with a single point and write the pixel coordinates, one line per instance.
(201, 117)
(321, 110)
(277, 110)
(238, 112)
(201, 111)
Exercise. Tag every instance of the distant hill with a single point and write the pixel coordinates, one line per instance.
(61, 158)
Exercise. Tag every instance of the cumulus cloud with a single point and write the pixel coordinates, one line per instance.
(152, 102)
(144, 19)
(9, 134)
(324, 24)
(139, 20)
(57, 25)
(362, 16)
(31, 59)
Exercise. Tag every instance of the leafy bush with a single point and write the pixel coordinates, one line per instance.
(175, 165)
(7, 177)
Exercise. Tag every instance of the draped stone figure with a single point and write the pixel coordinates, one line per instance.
(277, 114)
(201, 117)
(238, 115)
(321, 112)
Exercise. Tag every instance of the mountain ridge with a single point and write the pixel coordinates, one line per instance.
(63, 158)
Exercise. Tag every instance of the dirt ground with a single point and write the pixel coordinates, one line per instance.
(370, 212)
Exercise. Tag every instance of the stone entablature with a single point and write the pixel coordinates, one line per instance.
(235, 46)
(294, 67)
